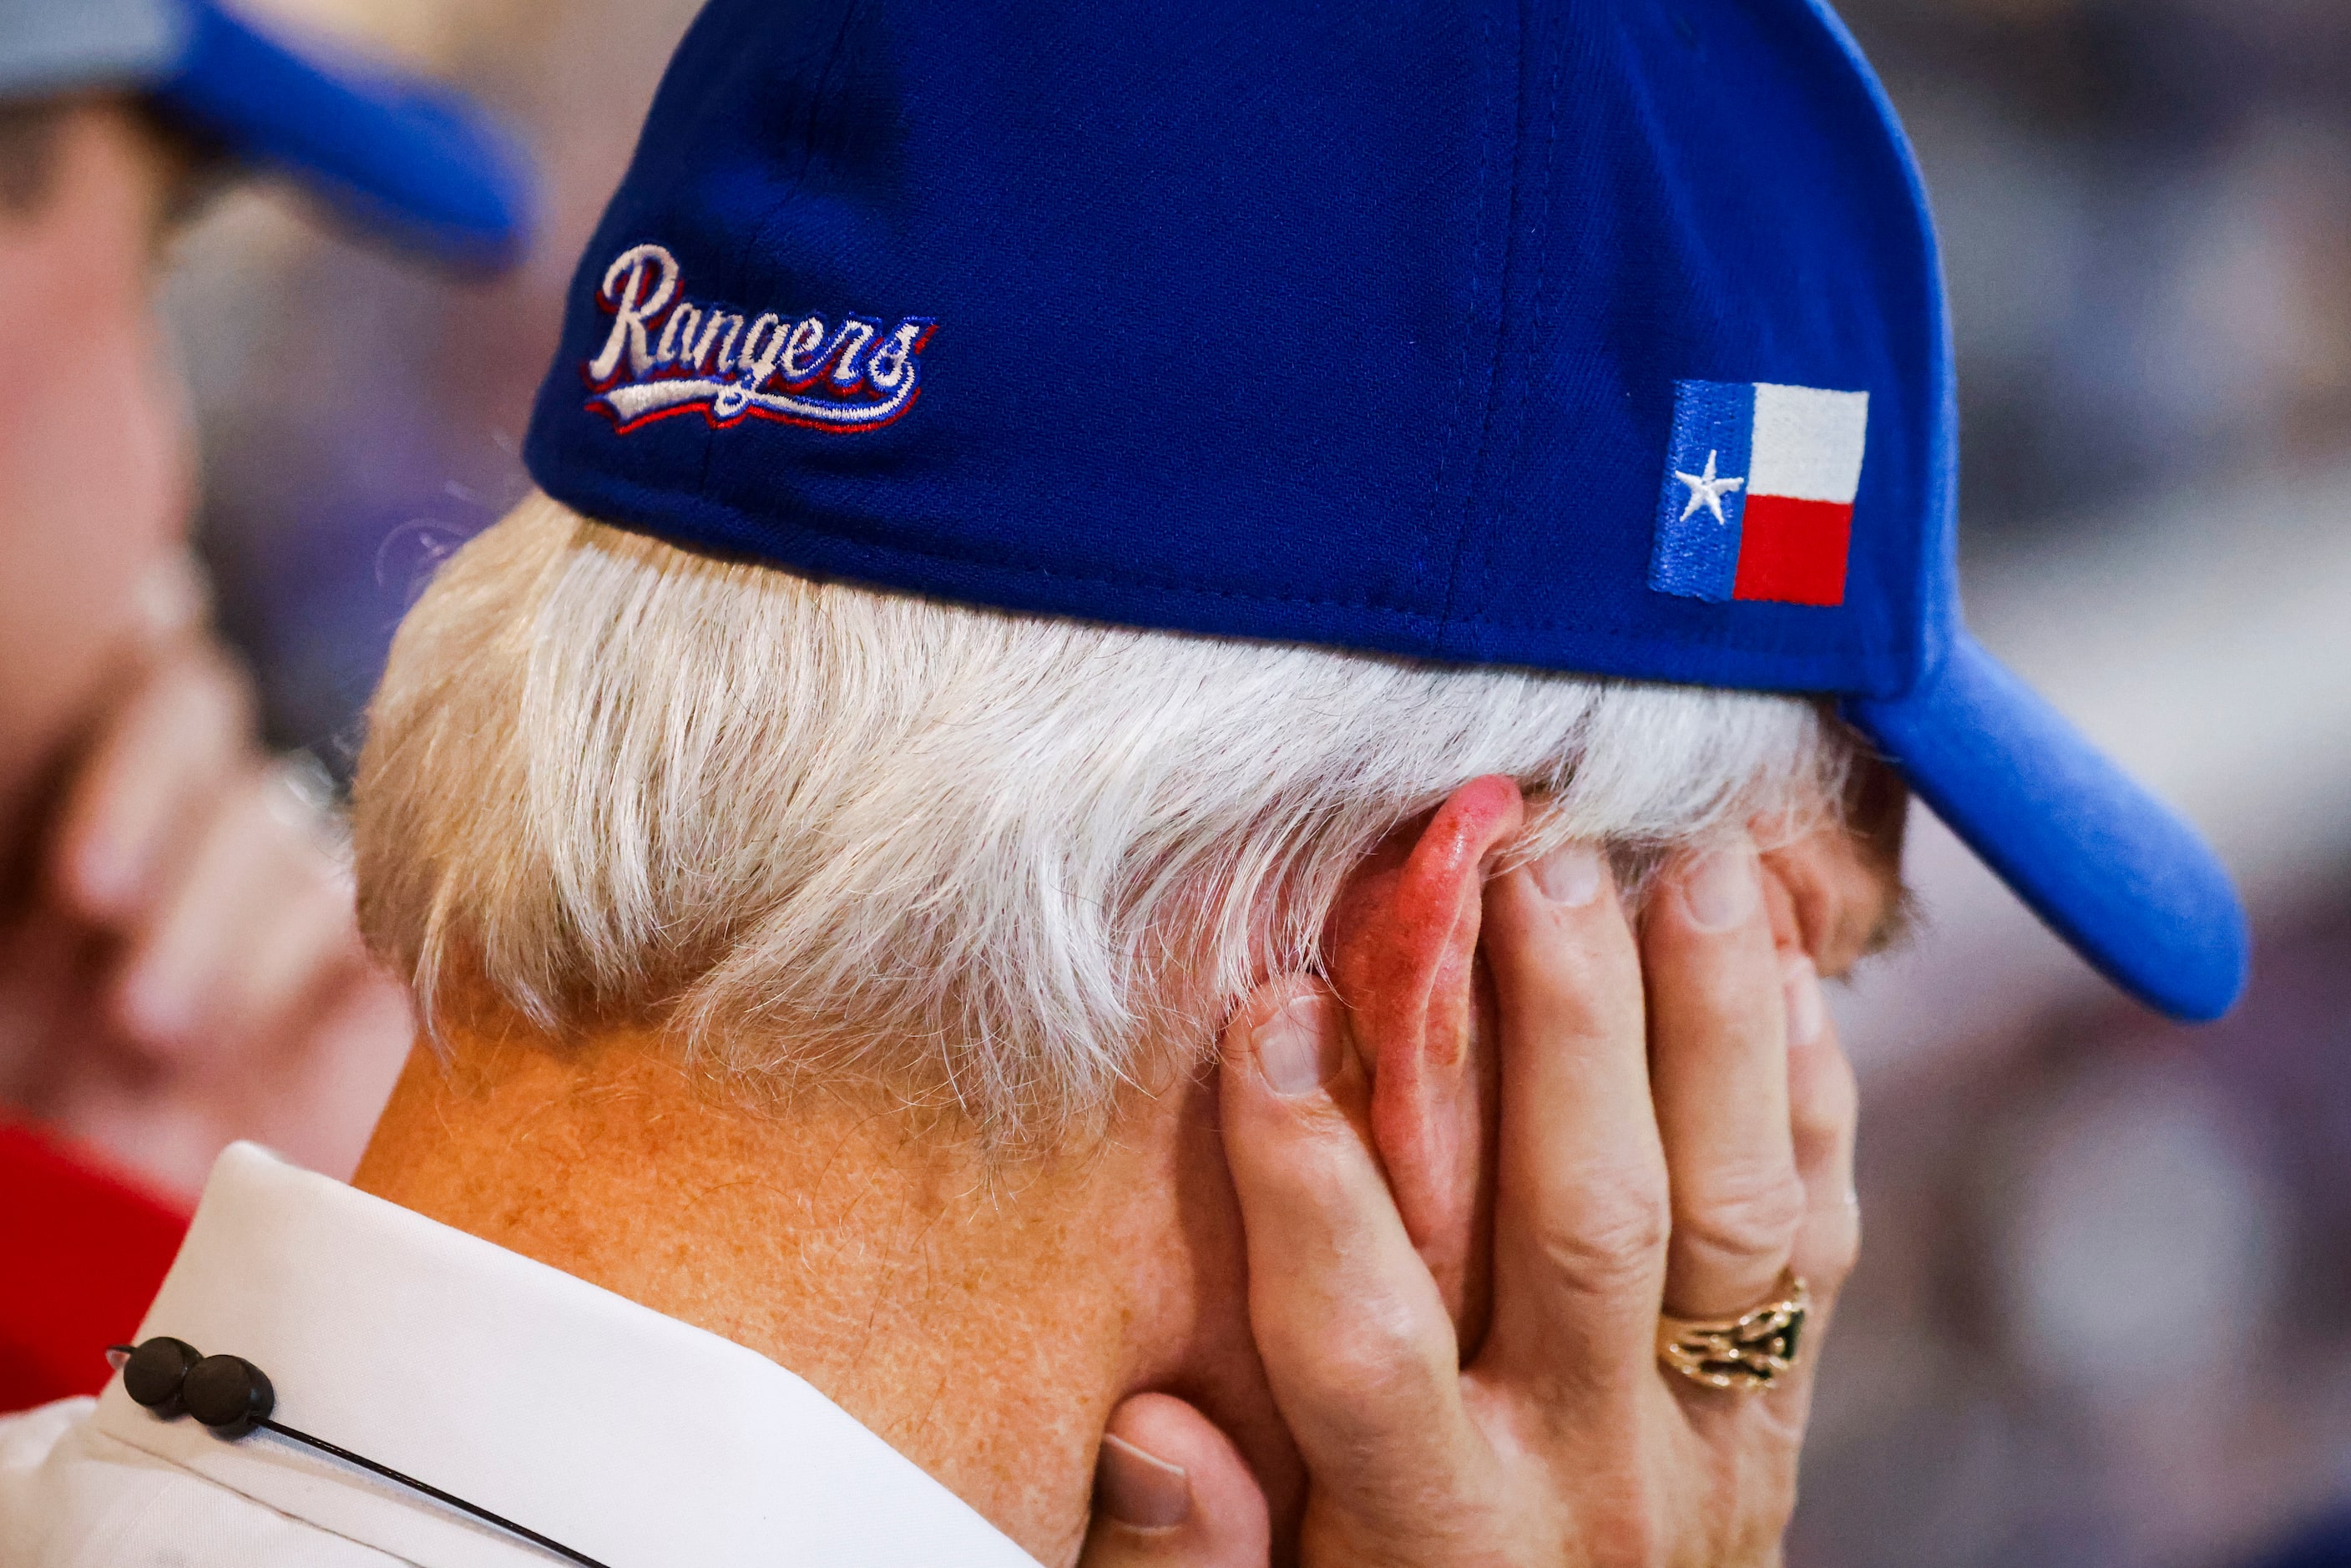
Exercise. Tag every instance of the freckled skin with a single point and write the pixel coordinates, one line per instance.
(985, 1318)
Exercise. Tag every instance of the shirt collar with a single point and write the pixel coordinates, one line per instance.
(632, 1438)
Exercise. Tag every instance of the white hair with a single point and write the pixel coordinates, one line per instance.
(1012, 861)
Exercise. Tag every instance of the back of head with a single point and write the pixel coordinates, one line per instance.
(1004, 861)
(1385, 400)
(1578, 336)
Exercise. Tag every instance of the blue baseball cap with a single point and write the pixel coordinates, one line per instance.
(402, 156)
(1603, 336)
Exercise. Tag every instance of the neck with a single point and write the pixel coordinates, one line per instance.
(982, 1316)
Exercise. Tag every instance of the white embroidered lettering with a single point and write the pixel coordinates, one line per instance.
(638, 287)
(677, 336)
(801, 353)
(719, 323)
(848, 353)
(762, 346)
(887, 366)
(705, 358)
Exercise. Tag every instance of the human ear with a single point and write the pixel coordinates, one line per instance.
(1403, 946)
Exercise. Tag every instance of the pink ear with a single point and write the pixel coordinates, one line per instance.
(1404, 958)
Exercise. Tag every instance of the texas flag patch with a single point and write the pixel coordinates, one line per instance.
(1758, 491)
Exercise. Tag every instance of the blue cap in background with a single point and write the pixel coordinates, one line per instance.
(1603, 336)
(404, 157)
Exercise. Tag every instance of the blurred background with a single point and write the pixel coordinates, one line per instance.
(2105, 1312)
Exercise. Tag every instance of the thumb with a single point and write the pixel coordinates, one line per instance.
(1172, 1491)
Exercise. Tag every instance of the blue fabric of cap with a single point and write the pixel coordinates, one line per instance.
(2112, 870)
(1584, 335)
(402, 156)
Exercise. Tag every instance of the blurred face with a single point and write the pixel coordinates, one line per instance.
(96, 460)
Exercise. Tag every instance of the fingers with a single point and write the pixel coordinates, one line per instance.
(1581, 1208)
(1357, 1343)
(177, 842)
(162, 755)
(234, 922)
(1823, 1106)
(1719, 1052)
(1172, 1491)
(248, 934)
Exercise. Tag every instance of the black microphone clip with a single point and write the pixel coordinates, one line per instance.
(230, 1396)
(226, 1393)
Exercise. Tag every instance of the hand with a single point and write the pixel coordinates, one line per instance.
(1676, 1154)
(191, 971)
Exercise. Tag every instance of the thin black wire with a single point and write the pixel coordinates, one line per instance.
(388, 1473)
(430, 1490)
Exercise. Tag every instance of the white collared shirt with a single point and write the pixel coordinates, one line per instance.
(630, 1437)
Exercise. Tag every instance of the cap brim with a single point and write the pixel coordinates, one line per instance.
(2114, 871)
(402, 156)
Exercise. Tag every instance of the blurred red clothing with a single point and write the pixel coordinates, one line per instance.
(82, 1251)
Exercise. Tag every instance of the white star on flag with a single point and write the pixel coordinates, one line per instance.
(1708, 491)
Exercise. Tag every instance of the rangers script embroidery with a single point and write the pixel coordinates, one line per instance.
(667, 355)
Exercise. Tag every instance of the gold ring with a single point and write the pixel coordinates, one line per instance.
(1749, 1352)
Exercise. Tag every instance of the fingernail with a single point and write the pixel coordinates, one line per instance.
(1807, 1008)
(1569, 875)
(1719, 890)
(1297, 1049)
(1139, 1491)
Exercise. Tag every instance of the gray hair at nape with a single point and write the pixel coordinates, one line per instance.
(1007, 862)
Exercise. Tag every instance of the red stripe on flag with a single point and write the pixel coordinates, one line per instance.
(1793, 552)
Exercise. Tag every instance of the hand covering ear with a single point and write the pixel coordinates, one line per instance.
(1675, 1131)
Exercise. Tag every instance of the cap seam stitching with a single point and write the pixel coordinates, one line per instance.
(1501, 326)
(1415, 617)
(1477, 270)
(1536, 325)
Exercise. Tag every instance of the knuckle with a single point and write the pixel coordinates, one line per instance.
(1370, 1350)
(1615, 1239)
(1368, 1370)
(1827, 1099)
(1832, 1244)
(1754, 1214)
